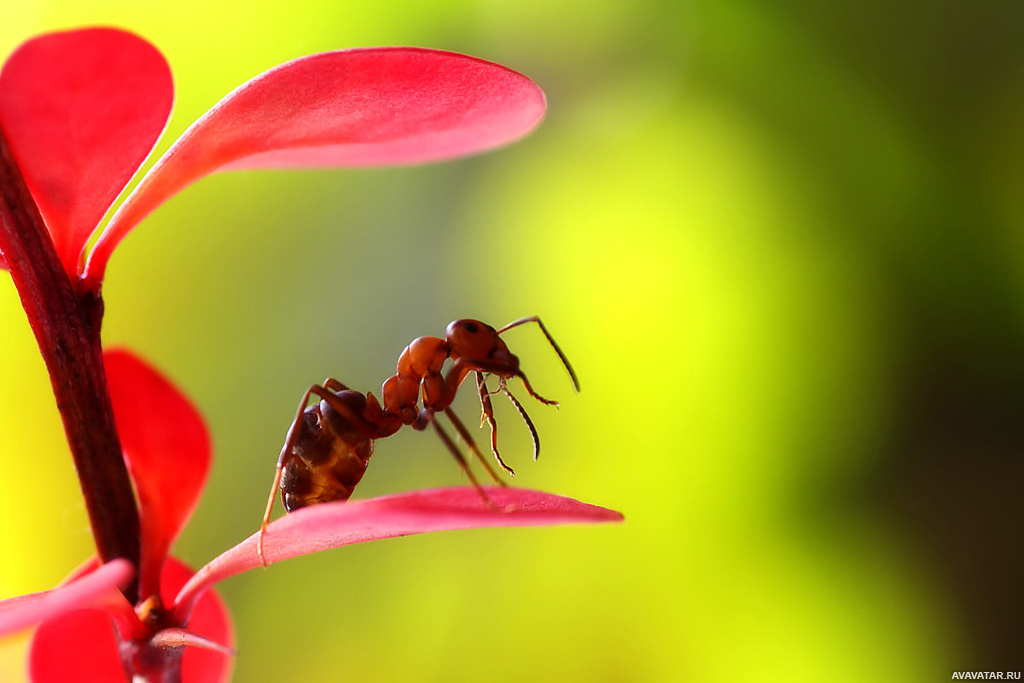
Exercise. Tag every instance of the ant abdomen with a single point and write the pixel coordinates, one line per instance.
(329, 456)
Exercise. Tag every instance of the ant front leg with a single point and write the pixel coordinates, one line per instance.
(487, 413)
(471, 444)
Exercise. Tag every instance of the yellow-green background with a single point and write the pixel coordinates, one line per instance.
(783, 245)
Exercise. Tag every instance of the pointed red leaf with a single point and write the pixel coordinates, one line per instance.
(331, 525)
(90, 590)
(167, 449)
(209, 620)
(364, 107)
(182, 637)
(82, 110)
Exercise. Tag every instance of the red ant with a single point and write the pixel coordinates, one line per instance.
(330, 443)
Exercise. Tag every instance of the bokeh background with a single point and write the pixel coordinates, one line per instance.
(783, 245)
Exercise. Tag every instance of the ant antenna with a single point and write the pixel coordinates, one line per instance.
(551, 340)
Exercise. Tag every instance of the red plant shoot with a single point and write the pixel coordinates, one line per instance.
(59, 174)
(80, 111)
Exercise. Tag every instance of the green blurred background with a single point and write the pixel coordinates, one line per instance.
(783, 246)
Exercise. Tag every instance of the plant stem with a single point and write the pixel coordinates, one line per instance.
(67, 327)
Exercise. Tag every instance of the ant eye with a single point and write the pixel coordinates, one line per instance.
(470, 327)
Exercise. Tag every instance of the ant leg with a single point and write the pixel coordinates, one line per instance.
(468, 438)
(266, 515)
(526, 418)
(334, 385)
(487, 413)
(289, 443)
(425, 416)
(334, 402)
(457, 454)
(554, 345)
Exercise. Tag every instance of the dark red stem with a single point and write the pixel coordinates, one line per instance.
(67, 326)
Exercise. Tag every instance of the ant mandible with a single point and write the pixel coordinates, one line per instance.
(329, 444)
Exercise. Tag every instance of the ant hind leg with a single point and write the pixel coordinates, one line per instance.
(334, 385)
(266, 515)
(324, 392)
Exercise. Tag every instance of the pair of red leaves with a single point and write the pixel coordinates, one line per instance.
(81, 111)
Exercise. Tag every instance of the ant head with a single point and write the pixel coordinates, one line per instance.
(478, 344)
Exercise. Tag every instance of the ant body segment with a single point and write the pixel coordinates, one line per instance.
(329, 444)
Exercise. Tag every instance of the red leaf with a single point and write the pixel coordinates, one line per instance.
(363, 107)
(117, 607)
(331, 525)
(90, 590)
(82, 646)
(182, 637)
(82, 110)
(78, 646)
(167, 450)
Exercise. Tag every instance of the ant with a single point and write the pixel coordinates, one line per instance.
(329, 444)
